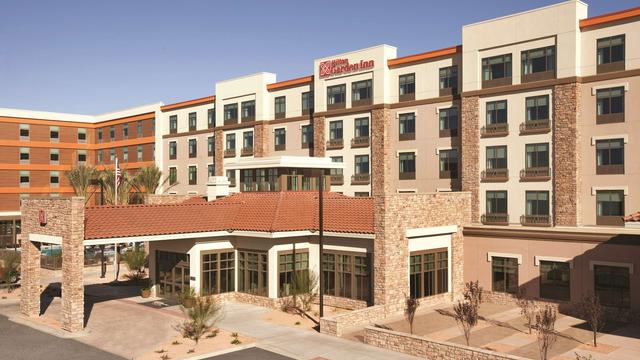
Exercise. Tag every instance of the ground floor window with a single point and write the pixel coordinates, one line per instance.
(428, 273)
(347, 275)
(173, 272)
(287, 267)
(612, 285)
(504, 274)
(252, 272)
(217, 273)
(554, 280)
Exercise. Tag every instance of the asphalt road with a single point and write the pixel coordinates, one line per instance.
(250, 354)
(19, 342)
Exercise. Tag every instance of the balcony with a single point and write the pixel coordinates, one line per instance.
(229, 153)
(495, 219)
(285, 183)
(535, 220)
(360, 142)
(335, 144)
(535, 174)
(495, 175)
(231, 121)
(337, 179)
(495, 130)
(535, 127)
(246, 151)
(360, 179)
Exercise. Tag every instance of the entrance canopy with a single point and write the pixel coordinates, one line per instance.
(294, 162)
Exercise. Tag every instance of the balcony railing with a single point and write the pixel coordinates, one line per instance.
(337, 179)
(335, 144)
(228, 153)
(248, 186)
(360, 141)
(495, 175)
(285, 183)
(535, 220)
(495, 219)
(535, 127)
(495, 130)
(360, 179)
(247, 151)
(535, 174)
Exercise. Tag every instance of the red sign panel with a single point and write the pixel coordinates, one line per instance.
(42, 217)
(342, 66)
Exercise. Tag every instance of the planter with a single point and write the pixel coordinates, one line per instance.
(145, 293)
(188, 303)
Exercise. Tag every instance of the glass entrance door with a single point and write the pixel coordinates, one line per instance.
(173, 273)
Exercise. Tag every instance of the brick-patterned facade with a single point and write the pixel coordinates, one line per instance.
(381, 151)
(566, 155)
(470, 152)
(218, 161)
(261, 140)
(319, 145)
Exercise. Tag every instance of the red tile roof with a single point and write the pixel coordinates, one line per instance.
(633, 217)
(259, 211)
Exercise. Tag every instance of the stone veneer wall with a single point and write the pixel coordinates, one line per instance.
(343, 303)
(566, 155)
(319, 141)
(218, 156)
(65, 219)
(428, 348)
(163, 199)
(381, 152)
(261, 140)
(470, 152)
(336, 325)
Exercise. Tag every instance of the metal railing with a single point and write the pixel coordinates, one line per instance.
(495, 219)
(500, 129)
(360, 179)
(360, 141)
(495, 175)
(535, 173)
(535, 220)
(535, 126)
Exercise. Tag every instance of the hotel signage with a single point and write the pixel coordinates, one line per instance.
(342, 66)
(42, 217)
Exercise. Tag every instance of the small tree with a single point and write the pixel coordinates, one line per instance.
(592, 313)
(528, 308)
(545, 329)
(200, 318)
(410, 307)
(473, 293)
(108, 178)
(148, 179)
(136, 261)
(466, 316)
(80, 178)
(9, 264)
(304, 287)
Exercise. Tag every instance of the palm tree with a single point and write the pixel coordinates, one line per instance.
(148, 179)
(80, 177)
(124, 188)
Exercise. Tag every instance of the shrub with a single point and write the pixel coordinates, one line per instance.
(136, 261)
(200, 318)
(410, 307)
(545, 329)
(9, 265)
(304, 287)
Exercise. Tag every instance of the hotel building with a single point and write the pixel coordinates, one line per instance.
(533, 118)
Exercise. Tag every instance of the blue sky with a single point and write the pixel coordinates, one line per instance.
(93, 57)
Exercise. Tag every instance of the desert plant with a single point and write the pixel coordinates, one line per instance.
(200, 318)
(545, 330)
(410, 307)
(187, 296)
(80, 177)
(528, 308)
(304, 287)
(108, 178)
(583, 357)
(148, 179)
(235, 340)
(136, 261)
(473, 294)
(466, 315)
(592, 313)
(9, 265)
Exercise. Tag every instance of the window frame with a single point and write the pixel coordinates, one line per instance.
(445, 119)
(407, 120)
(609, 167)
(289, 274)
(332, 104)
(418, 271)
(218, 270)
(604, 102)
(173, 124)
(444, 157)
(609, 283)
(173, 145)
(280, 107)
(192, 174)
(280, 139)
(407, 90)
(548, 293)
(609, 219)
(192, 148)
(487, 69)
(507, 264)
(331, 283)
(448, 80)
(262, 272)
(526, 64)
(248, 111)
(357, 91)
(609, 66)
(410, 157)
(230, 112)
(193, 121)
(307, 102)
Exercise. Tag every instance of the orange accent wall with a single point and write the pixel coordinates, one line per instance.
(87, 125)
(62, 145)
(35, 190)
(424, 56)
(194, 102)
(292, 82)
(610, 17)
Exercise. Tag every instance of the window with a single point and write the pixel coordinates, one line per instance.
(24, 178)
(537, 108)
(407, 162)
(112, 155)
(448, 164)
(347, 275)
(610, 54)
(448, 122)
(612, 285)
(125, 131)
(193, 121)
(336, 172)
(538, 64)
(336, 96)
(24, 131)
(210, 170)
(504, 274)
(496, 202)
(247, 139)
(497, 112)
(82, 135)
(99, 156)
(555, 280)
(139, 153)
(407, 84)
(361, 164)
(609, 207)
(361, 194)
(248, 109)
(139, 128)
(335, 130)
(173, 124)
(428, 273)
(193, 148)
(252, 272)
(307, 101)
(82, 156)
(307, 136)
(54, 133)
(537, 203)
(610, 105)
(496, 67)
(361, 128)
(211, 118)
(231, 141)
(173, 150)
(125, 154)
(193, 175)
(24, 155)
(54, 178)
(54, 155)
(112, 132)
(173, 176)
(217, 273)
(210, 146)
(537, 155)
(153, 125)
(407, 126)
(286, 268)
(231, 113)
(448, 80)
(496, 157)
(361, 93)
(100, 135)
(231, 175)
(280, 139)
(610, 156)
(280, 107)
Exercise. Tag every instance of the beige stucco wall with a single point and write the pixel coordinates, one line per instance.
(183, 161)
(293, 132)
(589, 37)
(427, 76)
(293, 100)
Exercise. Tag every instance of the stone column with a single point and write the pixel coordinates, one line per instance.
(261, 140)
(566, 155)
(218, 161)
(470, 153)
(30, 275)
(319, 140)
(72, 269)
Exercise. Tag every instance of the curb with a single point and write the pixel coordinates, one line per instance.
(46, 329)
(221, 352)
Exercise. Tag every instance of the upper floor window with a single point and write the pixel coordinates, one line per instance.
(407, 124)
(280, 139)
(610, 105)
(248, 110)
(82, 156)
(54, 156)
(54, 178)
(448, 164)
(211, 118)
(448, 122)
(173, 176)
(173, 124)
(139, 128)
(335, 130)
(307, 101)
(336, 96)
(407, 164)
(173, 150)
(407, 84)
(211, 170)
(24, 155)
(496, 70)
(497, 112)
(504, 274)
(82, 135)
(496, 202)
(609, 207)
(610, 55)
(307, 136)
(537, 156)
(231, 113)
(361, 92)
(210, 146)
(193, 121)
(125, 131)
(139, 153)
(361, 164)
(280, 107)
(496, 157)
(125, 154)
(334, 172)
(193, 175)
(448, 80)
(99, 156)
(610, 156)
(231, 141)
(24, 131)
(112, 155)
(112, 132)
(247, 139)
(361, 128)
(54, 133)
(538, 64)
(193, 148)
(537, 108)
(100, 135)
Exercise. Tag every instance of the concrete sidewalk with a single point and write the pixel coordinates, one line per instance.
(297, 343)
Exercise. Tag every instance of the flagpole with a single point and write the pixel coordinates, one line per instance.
(115, 199)
(115, 179)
